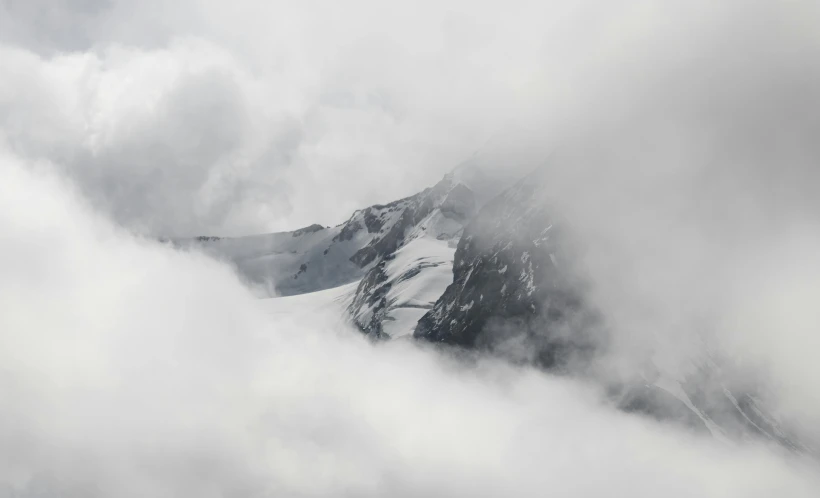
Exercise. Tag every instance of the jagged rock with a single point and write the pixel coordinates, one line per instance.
(508, 294)
(404, 270)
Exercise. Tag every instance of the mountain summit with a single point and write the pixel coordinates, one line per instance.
(486, 273)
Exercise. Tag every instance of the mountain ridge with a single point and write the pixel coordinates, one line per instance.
(495, 278)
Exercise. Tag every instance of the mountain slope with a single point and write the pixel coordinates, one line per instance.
(508, 294)
(414, 266)
(439, 266)
(515, 293)
(401, 254)
(316, 258)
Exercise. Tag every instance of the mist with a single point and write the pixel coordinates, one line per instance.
(212, 118)
(131, 370)
(676, 141)
(690, 184)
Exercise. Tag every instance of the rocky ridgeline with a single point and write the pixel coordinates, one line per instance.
(497, 278)
(437, 214)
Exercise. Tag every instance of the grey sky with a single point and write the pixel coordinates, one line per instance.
(209, 117)
(196, 116)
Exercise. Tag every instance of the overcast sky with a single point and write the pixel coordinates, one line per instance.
(226, 118)
(194, 117)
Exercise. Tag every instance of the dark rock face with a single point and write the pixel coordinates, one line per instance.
(509, 295)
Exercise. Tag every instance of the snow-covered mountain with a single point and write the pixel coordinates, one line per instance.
(316, 257)
(515, 293)
(401, 254)
(508, 292)
(412, 265)
(489, 272)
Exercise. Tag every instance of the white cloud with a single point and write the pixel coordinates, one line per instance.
(233, 117)
(691, 182)
(203, 117)
(133, 370)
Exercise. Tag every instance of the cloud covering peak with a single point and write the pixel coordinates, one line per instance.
(130, 369)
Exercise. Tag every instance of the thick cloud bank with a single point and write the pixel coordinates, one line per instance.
(226, 118)
(196, 117)
(132, 370)
(692, 182)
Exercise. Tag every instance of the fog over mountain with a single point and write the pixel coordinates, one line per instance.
(409, 249)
